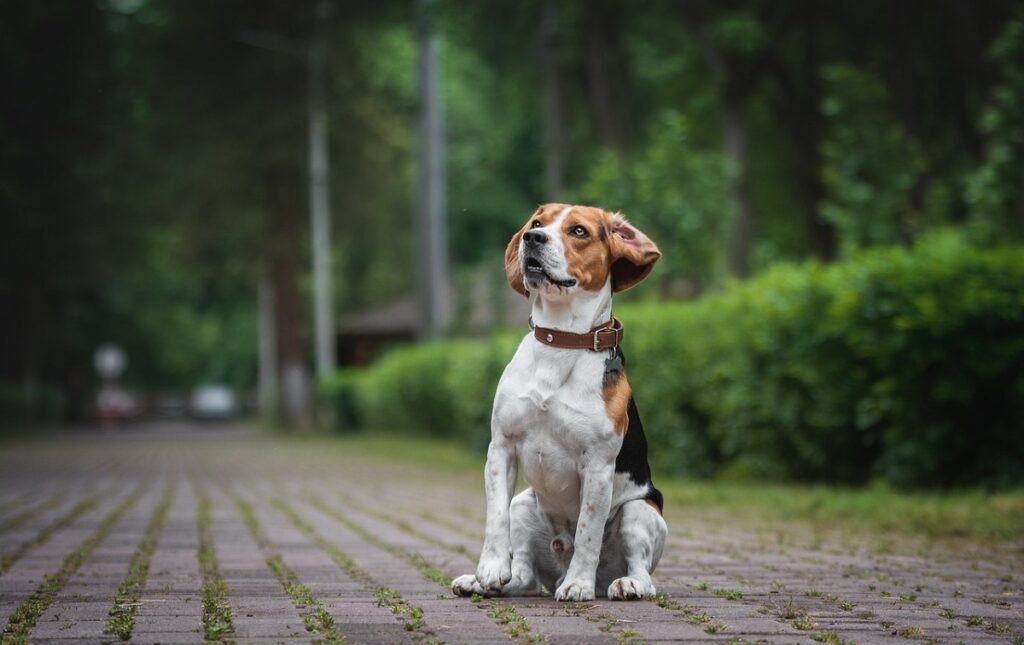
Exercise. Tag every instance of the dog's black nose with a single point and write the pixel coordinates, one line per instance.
(535, 238)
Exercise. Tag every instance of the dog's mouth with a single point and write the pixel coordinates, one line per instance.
(534, 270)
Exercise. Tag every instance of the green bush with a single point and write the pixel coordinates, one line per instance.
(903, 365)
(21, 405)
(443, 389)
(340, 394)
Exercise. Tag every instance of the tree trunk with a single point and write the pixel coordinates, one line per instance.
(737, 147)
(803, 113)
(821, 235)
(285, 249)
(732, 91)
(604, 73)
(553, 114)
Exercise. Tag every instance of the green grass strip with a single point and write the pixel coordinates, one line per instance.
(24, 618)
(23, 516)
(314, 616)
(7, 560)
(515, 629)
(217, 623)
(412, 616)
(122, 613)
(408, 529)
(15, 502)
(427, 570)
(689, 614)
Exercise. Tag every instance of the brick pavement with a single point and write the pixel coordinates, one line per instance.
(308, 542)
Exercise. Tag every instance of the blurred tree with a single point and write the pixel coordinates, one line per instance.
(152, 165)
(995, 189)
(555, 141)
(732, 42)
(66, 235)
(607, 75)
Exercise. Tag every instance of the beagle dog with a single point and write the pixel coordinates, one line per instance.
(590, 521)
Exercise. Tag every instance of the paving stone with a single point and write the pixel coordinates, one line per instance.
(746, 578)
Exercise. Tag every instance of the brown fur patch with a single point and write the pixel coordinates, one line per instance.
(653, 504)
(613, 247)
(513, 270)
(633, 253)
(589, 258)
(616, 403)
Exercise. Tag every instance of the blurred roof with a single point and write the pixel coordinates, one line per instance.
(397, 316)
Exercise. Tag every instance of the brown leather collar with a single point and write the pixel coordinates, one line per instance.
(606, 336)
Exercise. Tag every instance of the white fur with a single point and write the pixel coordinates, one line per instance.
(549, 418)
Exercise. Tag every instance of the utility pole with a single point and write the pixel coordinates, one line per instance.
(434, 292)
(320, 198)
(268, 387)
(312, 54)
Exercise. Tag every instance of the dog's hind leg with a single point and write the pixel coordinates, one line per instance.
(528, 529)
(641, 538)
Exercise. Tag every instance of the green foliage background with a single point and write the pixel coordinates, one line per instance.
(900, 365)
(148, 148)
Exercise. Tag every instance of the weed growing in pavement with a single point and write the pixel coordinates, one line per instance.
(506, 615)
(122, 614)
(217, 623)
(830, 637)
(729, 594)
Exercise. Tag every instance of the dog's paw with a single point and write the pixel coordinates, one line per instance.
(630, 589)
(494, 573)
(466, 586)
(575, 591)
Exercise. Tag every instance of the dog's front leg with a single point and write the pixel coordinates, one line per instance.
(495, 567)
(596, 500)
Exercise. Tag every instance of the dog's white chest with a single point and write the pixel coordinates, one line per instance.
(549, 404)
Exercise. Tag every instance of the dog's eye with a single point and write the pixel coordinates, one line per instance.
(536, 224)
(579, 231)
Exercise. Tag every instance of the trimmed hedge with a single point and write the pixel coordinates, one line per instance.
(904, 365)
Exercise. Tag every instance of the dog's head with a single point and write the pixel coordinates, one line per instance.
(562, 249)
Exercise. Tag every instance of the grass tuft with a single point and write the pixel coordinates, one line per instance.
(729, 594)
(122, 613)
(217, 622)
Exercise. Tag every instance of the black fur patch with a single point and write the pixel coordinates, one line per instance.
(632, 458)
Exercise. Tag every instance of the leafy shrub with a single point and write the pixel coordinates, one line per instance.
(904, 365)
(21, 405)
(443, 389)
(339, 393)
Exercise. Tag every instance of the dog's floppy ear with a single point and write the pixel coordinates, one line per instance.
(513, 269)
(633, 253)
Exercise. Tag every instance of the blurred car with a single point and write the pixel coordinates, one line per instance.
(213, 402)
(171, 405)
(115, 405)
